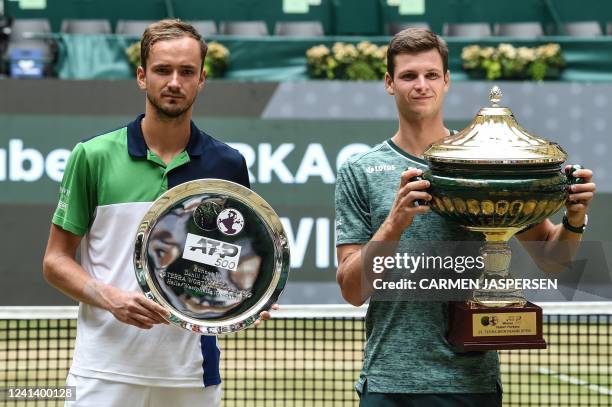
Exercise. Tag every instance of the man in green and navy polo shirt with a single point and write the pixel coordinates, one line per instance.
(125, 353)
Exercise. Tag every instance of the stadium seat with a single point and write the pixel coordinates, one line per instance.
(86, 27)
(469, 30)
(25, 37)
(394, 27)
(609, 30)
(519, 30)
(583, 29)
(24, 29)
(299, 29)
(245, 28)
(132, 27)
(205, 27)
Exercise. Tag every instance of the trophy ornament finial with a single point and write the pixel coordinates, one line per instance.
(495, 96)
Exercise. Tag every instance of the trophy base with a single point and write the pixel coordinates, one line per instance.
(477, 328)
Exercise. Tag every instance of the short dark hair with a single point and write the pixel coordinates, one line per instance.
(168, 29)
(413, 40)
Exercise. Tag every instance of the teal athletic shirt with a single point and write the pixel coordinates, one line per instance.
(406, 349)
(109, 183)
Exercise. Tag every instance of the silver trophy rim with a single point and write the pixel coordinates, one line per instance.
(240, 193)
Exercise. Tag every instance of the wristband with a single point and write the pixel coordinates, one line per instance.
(579, 229)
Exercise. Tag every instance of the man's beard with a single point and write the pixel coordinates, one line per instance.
(170, 113)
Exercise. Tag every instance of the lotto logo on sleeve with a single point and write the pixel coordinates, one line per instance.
(211, 252)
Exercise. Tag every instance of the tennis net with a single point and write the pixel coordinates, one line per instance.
(311, 356)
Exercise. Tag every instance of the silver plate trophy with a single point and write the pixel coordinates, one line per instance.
(213, 253)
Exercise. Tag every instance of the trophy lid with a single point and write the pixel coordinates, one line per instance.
(495, 137)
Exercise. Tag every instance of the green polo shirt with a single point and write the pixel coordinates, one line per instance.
(406, 349)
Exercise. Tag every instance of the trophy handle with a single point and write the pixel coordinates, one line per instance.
(419, 202)
(569, 173)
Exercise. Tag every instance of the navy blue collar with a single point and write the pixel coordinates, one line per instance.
(137, 147)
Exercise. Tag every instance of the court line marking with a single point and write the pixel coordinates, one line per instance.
(574, 380)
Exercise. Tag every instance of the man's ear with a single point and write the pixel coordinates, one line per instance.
(141, 78)
(389, 84)
(202, 79)
(447, 80)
